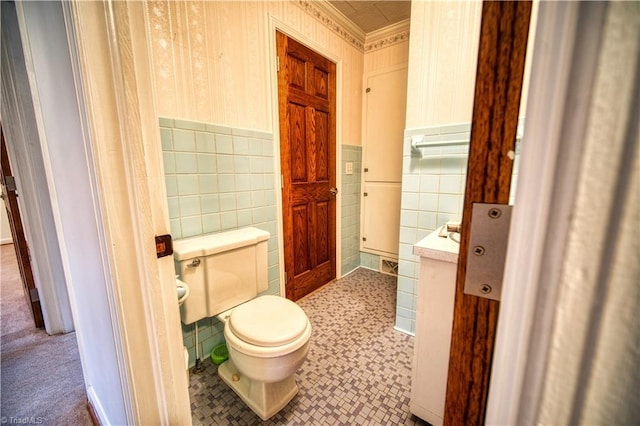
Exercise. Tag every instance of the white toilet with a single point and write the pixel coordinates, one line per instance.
(267, 337)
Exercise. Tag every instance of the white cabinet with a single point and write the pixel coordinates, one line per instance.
(381, 226)
(384, 109)
(434, 319)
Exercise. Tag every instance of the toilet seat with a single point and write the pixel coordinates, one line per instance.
(277, 326)
(268, 321)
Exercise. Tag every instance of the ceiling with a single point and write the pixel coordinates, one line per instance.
(373, 15)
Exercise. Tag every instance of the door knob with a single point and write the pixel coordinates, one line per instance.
(333, 191)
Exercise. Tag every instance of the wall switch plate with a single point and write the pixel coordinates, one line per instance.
(349, 168)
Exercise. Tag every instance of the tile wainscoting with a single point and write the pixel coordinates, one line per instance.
(220, 178)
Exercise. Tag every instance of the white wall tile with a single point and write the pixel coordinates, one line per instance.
(429, 183)
(226, 183)
(169, 161)
(450, 184)
(184, 140)
(206, 163)
(186, 162)
(187, 184)
(224, 144)
(428, 202)
(205, 142)
(448, 203)
(190, 205)
(210, 203)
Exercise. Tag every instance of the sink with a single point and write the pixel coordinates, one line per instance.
(183, 291)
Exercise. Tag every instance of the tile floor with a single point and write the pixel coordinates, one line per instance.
(358, 370)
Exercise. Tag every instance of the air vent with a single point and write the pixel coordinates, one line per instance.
(389, 266)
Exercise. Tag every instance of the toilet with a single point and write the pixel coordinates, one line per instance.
(267, 336)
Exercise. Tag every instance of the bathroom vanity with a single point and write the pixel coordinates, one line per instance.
(434, 318)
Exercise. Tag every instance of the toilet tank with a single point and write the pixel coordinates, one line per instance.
(222, 270)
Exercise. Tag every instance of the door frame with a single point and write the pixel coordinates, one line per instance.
(504, 36)
(30, 169)
(273, 25)
(156, 306)
(552, 155)
(116, 95)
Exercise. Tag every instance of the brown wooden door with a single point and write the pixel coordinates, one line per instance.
(306, 100)
(17, 232)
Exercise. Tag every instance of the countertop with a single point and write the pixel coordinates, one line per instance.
(435, 247)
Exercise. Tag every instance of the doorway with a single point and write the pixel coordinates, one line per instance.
(23, 257)
(307, 118)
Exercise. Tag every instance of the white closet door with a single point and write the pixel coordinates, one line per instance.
(381, 227)
(385, 107)
(384, 121)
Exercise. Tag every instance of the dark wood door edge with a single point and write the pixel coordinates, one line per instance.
(501, 57)
(92, 414)
(21, 247)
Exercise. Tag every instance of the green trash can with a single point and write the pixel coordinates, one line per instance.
(219, 354)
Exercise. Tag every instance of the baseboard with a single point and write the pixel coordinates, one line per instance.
(351, 271)
(98, 416)
(404, 331)
(369, 268)
(4, 241)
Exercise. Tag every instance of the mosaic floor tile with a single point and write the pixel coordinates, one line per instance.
(358, 371)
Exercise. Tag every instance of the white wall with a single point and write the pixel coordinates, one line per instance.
(23, 146)
(211, 61)
(443, 53)
(70, 177)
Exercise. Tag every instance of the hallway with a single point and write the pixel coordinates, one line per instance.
(41, 376)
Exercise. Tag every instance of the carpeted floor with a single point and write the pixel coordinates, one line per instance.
(358, 370)
(41, 377)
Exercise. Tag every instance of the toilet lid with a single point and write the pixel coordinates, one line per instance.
(268, 321)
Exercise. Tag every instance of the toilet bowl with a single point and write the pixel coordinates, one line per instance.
(268, 340)
(267, 336)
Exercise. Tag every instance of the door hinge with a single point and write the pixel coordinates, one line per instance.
(278, 63)
(366, 194)
(368, 90)
(364, 238)
(10, 183)
(488, 240)
(34, 295)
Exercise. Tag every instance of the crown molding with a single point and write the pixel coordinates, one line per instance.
(335, 20)
(387, 36)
